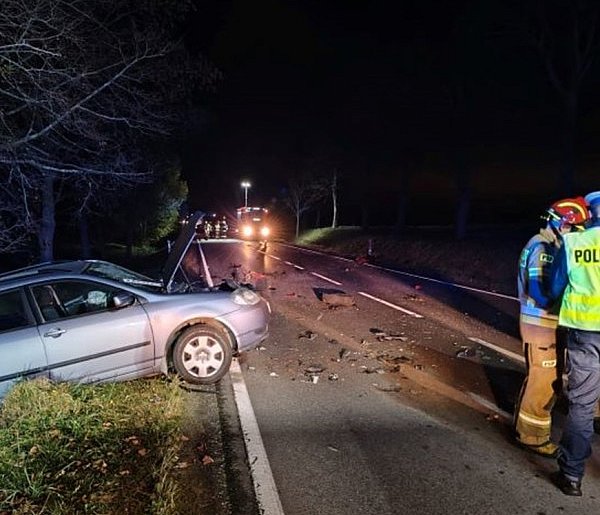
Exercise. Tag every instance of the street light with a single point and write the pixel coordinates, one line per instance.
(246, 185)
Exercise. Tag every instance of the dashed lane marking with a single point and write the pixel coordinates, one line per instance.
(262, 476)
(274, 257)
(302, 249)
(389, 304)
(326, 278)
(289, 263)
(501, 350)
(408, 274)
(297, 267)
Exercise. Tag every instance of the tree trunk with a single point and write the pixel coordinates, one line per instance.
(84, 237)
(403, 201)
(297, 224)
(463, 185)
(334, 217)
(48, 222)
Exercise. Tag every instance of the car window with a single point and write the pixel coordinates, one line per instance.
(70, 298)
(13, 311)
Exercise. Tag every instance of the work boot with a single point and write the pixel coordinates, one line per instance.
(547, 449)
(567, 486)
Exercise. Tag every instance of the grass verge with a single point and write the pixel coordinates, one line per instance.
(99, 449)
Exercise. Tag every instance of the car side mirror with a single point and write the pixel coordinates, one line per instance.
(123, 299)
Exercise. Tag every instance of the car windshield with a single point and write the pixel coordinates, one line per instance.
(122, 275)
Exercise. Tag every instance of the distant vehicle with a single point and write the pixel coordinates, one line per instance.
(96, 321)
(253, 223)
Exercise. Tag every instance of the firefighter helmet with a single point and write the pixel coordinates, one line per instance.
(568, 211)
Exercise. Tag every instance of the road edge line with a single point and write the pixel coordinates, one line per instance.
(265, 488)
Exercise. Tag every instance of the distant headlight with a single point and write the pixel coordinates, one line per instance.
(247, 230)
(245, 297)
(264, 231)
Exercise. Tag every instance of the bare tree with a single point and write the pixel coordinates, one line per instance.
(79, 83)
(566, 36)
(333, 187)
(304, 191)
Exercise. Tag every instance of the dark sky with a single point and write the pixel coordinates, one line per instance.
(372, 87)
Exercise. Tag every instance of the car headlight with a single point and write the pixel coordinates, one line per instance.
(247, 230)
(264, 231)
(245, 297)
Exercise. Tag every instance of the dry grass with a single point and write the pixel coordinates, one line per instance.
(107, 448)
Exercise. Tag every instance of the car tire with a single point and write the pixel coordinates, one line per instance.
(202, 354)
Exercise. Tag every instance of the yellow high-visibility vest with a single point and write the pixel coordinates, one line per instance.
(580, 308)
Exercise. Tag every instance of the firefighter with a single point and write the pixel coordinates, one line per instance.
(538, 324)
(576, 277)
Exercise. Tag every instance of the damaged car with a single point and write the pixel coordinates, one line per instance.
(91, 320)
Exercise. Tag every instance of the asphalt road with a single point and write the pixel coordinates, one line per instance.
(410, 409)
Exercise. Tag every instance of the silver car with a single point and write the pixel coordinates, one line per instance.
(96, 321)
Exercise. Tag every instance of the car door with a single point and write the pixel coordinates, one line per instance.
(86, 337)
(21, 350)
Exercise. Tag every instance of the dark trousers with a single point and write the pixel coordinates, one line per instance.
(583, 391)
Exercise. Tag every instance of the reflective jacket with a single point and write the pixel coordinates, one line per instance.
(578, 271)
(533, 281)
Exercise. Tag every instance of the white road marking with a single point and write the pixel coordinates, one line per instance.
(501, 350)
(262, 476)
(289, 263)
(274, 257)
(326, 278)
(445, 283)
(209, 280)
(389, 304)
(310, 251)
(297, 267)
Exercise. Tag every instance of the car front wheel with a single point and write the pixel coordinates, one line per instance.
(202, 354)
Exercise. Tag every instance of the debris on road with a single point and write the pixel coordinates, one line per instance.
(314, 369)
(338, 299)
(388, 388)
(372, 370)
(333, 377)
(383, 336)
(274, 374)
(308, 334)
(343, 353)
(469, 352)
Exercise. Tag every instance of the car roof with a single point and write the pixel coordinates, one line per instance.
(44, 268)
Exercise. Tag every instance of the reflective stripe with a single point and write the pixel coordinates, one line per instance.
(535, 421)
(550, 323)
(549, 363)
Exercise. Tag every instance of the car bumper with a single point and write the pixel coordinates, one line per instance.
(255, 322)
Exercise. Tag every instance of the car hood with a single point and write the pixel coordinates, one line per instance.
(180, 247)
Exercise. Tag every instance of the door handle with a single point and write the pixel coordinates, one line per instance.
(55, 333)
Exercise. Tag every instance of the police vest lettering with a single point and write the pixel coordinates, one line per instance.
(586, 256)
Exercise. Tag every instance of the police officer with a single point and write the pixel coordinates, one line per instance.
(576, 276)
(538, 323)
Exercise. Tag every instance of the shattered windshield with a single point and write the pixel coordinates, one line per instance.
(123, 275)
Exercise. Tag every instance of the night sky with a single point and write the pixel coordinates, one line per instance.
(378, 89)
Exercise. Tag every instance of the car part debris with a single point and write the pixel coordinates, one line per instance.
(307, 334)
